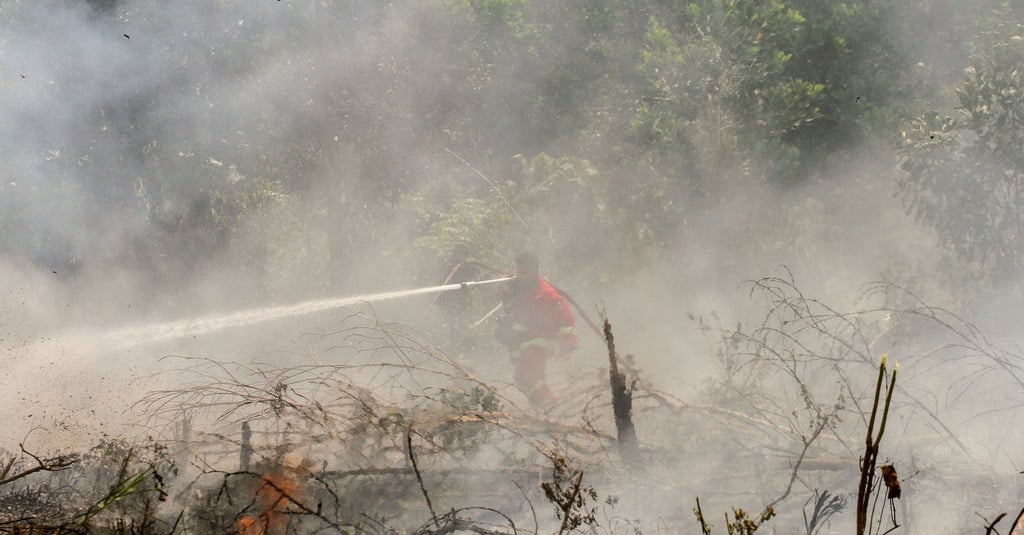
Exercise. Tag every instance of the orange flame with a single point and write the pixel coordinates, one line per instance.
(278, 489)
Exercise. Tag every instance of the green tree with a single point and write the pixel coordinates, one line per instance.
(964, 176)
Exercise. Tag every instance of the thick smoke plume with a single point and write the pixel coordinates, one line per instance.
(224, 180)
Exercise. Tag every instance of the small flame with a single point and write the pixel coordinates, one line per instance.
(279, 489)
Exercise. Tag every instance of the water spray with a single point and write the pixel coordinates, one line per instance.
(192, 327)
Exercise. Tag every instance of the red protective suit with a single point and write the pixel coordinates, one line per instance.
(539, 324)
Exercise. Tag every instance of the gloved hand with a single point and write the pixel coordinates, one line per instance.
(566, 345)
(504, 333)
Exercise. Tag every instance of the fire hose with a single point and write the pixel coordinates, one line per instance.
(583, 314)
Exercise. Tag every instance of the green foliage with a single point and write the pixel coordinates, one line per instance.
(792, 104)
(634, 114)
(476, 223)
(771, 90)
(560, 207)
(556, 190)
(115, 488)
(964, 176)
(719, 78)
(491, 16)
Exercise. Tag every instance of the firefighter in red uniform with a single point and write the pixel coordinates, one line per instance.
(537, 324)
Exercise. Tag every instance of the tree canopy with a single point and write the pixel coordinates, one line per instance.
(596, 128)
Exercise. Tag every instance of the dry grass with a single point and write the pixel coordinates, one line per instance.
(374, 429)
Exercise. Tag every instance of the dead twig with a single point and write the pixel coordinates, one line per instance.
(868, 461)
(55, 464)
(419, 477)
(700, 518)
(990, 528)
